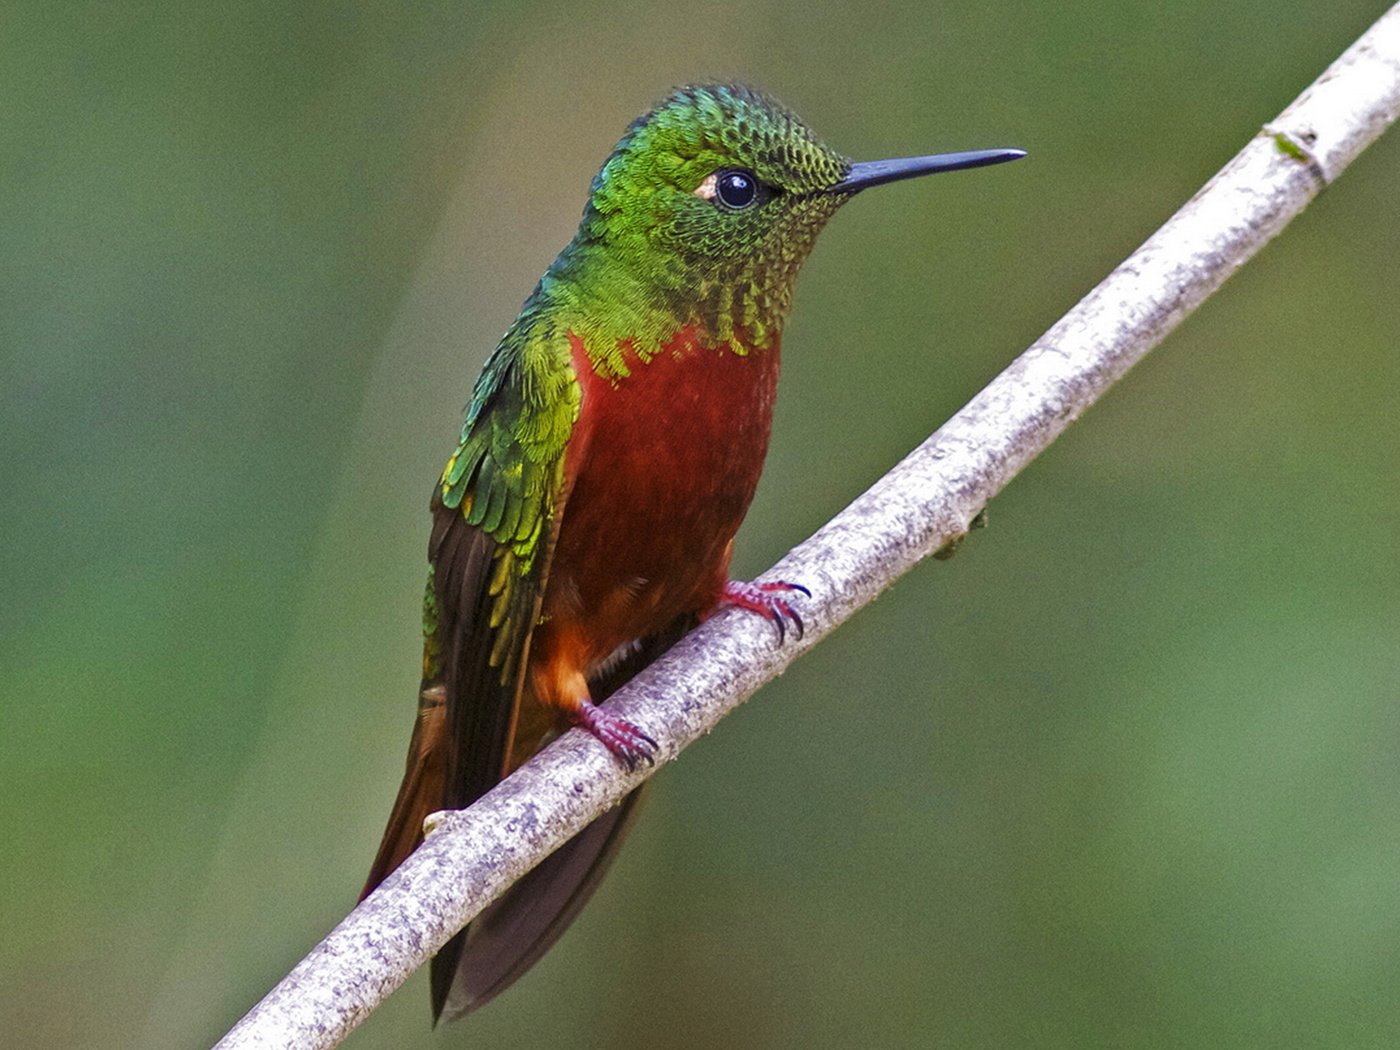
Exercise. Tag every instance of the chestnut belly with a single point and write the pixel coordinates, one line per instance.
(663, 466)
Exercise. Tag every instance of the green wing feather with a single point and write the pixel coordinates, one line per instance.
(494, 516)
(497, 504)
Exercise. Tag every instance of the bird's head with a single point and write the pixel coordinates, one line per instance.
(713, 199)
(711, 178)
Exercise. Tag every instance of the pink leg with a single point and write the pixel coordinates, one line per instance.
(631, 746)
(763, 598)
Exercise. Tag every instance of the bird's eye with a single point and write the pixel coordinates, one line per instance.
(736, 189)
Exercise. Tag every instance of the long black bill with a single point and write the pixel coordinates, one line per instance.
(878, 172)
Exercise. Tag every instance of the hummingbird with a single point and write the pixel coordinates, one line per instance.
(612, 445)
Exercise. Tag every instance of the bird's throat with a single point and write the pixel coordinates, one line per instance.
(627, 311)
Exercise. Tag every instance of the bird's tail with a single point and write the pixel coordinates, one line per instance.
(511, 935)
(421, 792)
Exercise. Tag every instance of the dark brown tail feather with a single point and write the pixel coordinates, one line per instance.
(511, 935)
(421, 791)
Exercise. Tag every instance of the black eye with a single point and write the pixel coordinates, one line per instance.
(736, 189)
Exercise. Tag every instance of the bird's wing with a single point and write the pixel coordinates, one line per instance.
(500, 502)
(495, 515)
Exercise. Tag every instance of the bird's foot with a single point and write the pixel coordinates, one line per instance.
(765, 599)
(631, 746)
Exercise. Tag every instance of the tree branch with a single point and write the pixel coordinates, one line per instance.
(925, 504)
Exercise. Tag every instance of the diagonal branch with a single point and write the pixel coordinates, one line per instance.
(925, 504)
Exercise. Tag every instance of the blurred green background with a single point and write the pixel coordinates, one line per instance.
(1124, 773)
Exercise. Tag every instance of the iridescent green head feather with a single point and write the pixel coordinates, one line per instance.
(700, 219)
(658, 192)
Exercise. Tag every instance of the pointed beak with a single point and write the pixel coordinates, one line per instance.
(878, 172)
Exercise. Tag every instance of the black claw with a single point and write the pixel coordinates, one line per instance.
(637, 754)
(785, 585)
(797, 622)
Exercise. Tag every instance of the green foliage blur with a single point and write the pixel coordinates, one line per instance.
(1123, 773)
